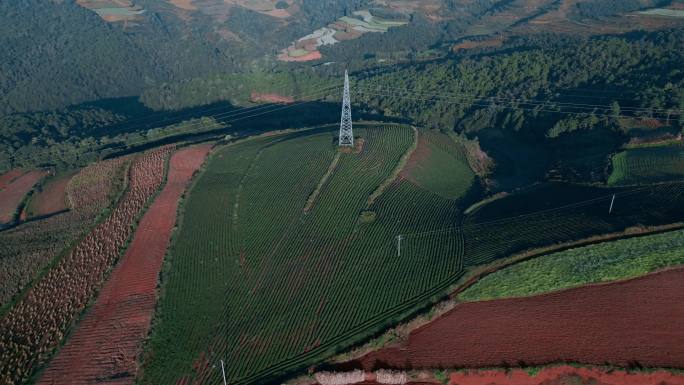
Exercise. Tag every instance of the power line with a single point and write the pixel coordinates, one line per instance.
(573, 205)
(210, 126)
(506, 107)
(529, 101)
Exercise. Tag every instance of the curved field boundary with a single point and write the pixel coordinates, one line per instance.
(35, 326)
(627, 323)
(366, 355)
(109, 339)
(9, 176)
(12, 196)
(397, 169)
(312, 199)
(50, 198)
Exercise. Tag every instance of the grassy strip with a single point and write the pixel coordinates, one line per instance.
(400, 166)
(400, 332)
(326, 176)
(609, 261)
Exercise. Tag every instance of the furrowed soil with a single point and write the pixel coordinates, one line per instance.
(14, 193)
(627, 323)
(565, 375)
(105, 347)
(9, 176)
(51, 199)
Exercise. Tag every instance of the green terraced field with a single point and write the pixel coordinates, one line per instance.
(648, 164)
(254, 280)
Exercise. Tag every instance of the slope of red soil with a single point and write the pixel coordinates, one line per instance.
(12, 195)
(565, 375)
(9, 176)
(314, 55)
(270, 98)
(52, 197)
(419, 155)
(105, 347)
(638, 321)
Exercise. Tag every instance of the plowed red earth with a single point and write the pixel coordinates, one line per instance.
(52, 199)
(639, 321)
(105, 346)
(565, 375)
(8, 177)
(12, 195)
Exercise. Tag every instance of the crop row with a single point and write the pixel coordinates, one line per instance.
(256, 281)
(29, 247)
(648, 164)
(31, 330)
(561, 213)
(259, 282)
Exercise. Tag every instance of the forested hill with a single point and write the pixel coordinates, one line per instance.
(58, 54)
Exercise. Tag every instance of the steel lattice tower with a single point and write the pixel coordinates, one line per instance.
(346, 133)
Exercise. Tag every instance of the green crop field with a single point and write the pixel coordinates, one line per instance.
(648, 164)
(608, 261)
(444, 170)
(559, 212)
(255, 280)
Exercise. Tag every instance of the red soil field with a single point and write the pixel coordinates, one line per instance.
(12, 195)
(271, 98)
(8, 177)
(105, 347)
(565, 375)
(421, 153)
(314, 55)
(52, 198)
(633, 322)
(37, 323)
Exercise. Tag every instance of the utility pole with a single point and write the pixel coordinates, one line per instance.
(223, 372)
(610, 210)
(346, 133)
(398, 245)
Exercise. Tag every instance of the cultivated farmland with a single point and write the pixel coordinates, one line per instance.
(12, 195)
(37, 323)
(648, 164)
(625, 323)
(608, 261)
(9, 176)
(256, 280)
(50, 197)
(31, 246)
(109, 338)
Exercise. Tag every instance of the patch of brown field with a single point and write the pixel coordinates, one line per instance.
(183, 4)
(9, 176)
(421, 153)
(51, 198)
(315, 55)
(109, 339)
(278, 13)
(12, 195)
(633, 322)
(358, 147)
(488, 43)
(270, 98)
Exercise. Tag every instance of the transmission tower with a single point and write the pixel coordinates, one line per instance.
(346, 133)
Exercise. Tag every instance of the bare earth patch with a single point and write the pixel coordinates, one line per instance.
(12, 195)
(51, 198)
